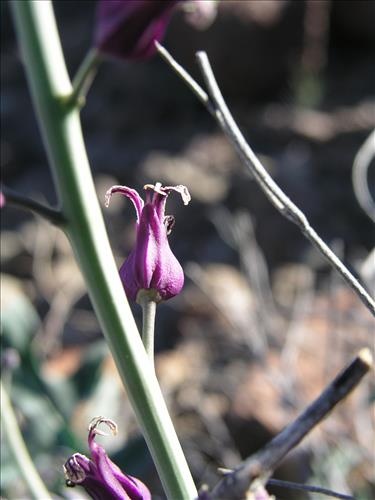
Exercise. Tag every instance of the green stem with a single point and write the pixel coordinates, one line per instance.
(62, 134)
(19, 451)
(148, 325)
(84, 78)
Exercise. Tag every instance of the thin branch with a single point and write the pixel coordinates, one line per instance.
(269, 186)
(184, 75)
(262, 464)
(53, 215)
(308, 487)
(215, 104)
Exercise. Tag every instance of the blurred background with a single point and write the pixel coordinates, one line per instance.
(263, 324)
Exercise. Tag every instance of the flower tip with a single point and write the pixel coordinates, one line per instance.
(182, 190)
(75, 469)
(165, 190)
(157, 188)
(129, 193)
(108, 196)
(186, 197)
(96, 421)
(107, 199)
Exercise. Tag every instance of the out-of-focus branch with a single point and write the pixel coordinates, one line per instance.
(261, 465)
(17, 446)
(361, 164)
(216, 105)
(53, 215)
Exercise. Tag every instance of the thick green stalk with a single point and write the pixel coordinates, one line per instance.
(62, 134)
(17, 446)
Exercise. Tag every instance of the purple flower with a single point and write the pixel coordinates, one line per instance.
(100, 477)
(128, 28)
(152, 265)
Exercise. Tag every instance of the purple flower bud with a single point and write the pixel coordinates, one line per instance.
(99, 476)
(151, 265)
(200, 13)
(128, 28)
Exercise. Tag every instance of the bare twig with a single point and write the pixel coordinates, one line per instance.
(308, 487)
(51, 214)
(216, 105)
(262, 464)
(361, 164)
(271, 189)
(184, 75)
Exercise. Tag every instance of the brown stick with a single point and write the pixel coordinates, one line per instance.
(261, 465)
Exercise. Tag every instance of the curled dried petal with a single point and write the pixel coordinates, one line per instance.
(132, 194)
(96, 421)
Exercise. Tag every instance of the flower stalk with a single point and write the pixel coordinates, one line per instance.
(61, 129)
(151, 273)
(148, 305)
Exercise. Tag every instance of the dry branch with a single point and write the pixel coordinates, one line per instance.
(261, 465)
(216, 105)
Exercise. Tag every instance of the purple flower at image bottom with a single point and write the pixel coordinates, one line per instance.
(99, 476)
(151, 265)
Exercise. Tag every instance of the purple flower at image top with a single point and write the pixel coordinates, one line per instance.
(151, 265)
(127, 29)
(99, 476)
